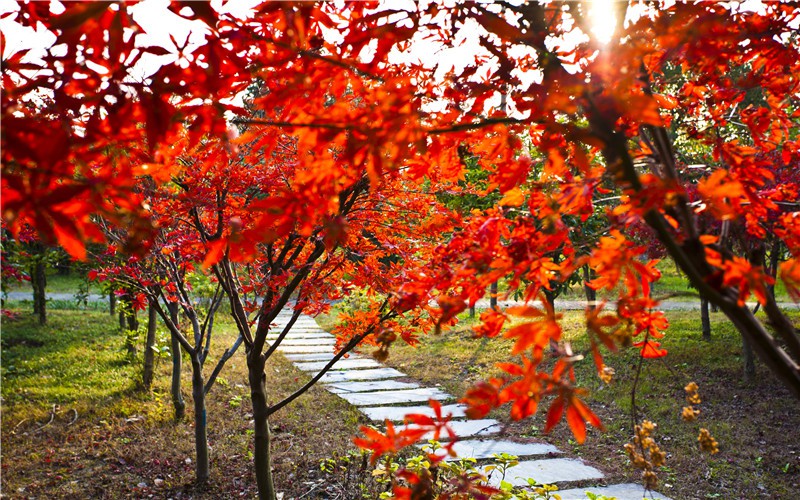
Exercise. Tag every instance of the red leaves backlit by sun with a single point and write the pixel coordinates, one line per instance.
(416, 427)
(347, 160)
(389, 442)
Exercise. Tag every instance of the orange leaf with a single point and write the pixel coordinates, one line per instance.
(69, 240)
(513, 198)
(576, 424)
(215, 253)
(554, 414)
(651, 350)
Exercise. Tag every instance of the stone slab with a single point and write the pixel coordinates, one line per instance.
(291, 337)
(306, 325)
(398, 413)
(378, 385)
(321, 356)
(302, 335)
(395, 397)
(329, 341)
(469, 428)
(303, 349)
(299, 328)
(480, 449)
(342, 364)
(627, 491)
(370, 374)
(549, 471)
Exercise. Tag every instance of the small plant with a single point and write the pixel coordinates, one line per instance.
(129, 344)
(352, 477)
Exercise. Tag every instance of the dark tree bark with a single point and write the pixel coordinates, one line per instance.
(591, 293)
(149, 343)
(705, 318)
(258, 397)
(200, 421)
(133, 320)
(39, 284)
(749, 359)
(550, 297)
(493, 295)
(177, 397)
(112, 303)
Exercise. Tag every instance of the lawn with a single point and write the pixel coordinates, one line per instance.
(109, 439)
(56, 283)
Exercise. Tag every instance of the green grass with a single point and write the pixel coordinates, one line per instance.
(76, 423)
(77, 356)
(58, 305)
(56, 283)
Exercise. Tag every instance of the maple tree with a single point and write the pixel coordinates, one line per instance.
(604, 117)
(356, 237)
(162, 283)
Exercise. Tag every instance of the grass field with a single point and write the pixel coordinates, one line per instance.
(56, 283)
(109, 439)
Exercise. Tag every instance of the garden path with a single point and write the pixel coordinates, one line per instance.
(383, 393)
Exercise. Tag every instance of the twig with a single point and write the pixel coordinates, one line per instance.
(52, 416)
(14, 430)
(74, 419)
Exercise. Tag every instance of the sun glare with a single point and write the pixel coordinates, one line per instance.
(603, 19)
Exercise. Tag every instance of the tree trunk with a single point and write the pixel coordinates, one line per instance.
(149, 343)
(550, 297)
(705, 318)
(200, 421)
(112, 302)
(133, 321)
(177, 397)
(132, 326)
(493, 295)
(258, 397)
(121, 320)
(471, 312)
(749, 361)
(591, 293)
(39, 284)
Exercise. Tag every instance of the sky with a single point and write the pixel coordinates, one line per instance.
(159, 23)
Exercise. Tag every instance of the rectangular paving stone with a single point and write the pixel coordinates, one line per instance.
(293, 335)
(370, 374)
(321, 356)
(378, 385)
(342, 364)
(468, 428)
(549, 471)
(627, 491)
(300, 349)
(306, 325)
(300, 327)
(395, 397)
(328, 341)
(398, 413)
(474, 448)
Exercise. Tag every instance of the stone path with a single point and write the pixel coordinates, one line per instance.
(377, 393)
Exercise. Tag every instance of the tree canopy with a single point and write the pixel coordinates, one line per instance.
(687, 118)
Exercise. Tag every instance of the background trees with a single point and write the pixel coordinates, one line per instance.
(366, 110)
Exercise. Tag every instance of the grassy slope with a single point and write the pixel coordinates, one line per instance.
(56, 283)
(756, 425)
(123, 436)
